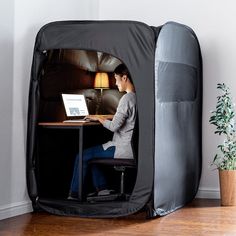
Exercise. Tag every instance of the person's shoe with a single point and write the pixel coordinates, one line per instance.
(72, 196)
(105, 192)
(93, 194)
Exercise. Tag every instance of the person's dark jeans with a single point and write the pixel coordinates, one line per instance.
(98, 177)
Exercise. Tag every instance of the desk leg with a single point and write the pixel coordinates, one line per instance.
(80, 190)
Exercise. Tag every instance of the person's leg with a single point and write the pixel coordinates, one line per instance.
(99, 180)
(88, 154)
(75, 178)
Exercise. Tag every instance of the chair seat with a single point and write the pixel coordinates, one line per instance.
(131, 163)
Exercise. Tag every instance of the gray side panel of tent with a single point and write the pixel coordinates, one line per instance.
(178, 105)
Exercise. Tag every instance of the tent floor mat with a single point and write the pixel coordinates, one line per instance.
(110, 197)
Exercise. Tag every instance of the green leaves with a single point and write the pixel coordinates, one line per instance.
(223, 119)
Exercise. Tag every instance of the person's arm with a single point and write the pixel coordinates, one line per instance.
(113, 124)
(119, 118)
(100, 118)
(117, 121)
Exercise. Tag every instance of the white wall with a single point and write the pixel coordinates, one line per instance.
(6, 84)
(214, 23)
(20, 20)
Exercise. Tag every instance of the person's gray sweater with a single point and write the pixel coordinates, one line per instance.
(122, 125)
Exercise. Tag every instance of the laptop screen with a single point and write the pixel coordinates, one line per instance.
(75, 105)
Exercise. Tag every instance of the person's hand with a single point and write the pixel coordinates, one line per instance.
(109, 117)
(99, 118)
(91, 117)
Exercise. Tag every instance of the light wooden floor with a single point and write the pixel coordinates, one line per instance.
(201, 217)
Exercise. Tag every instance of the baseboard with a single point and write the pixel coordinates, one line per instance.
(208, 193)
(15, 209)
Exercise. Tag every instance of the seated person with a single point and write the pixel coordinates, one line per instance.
(122, 125)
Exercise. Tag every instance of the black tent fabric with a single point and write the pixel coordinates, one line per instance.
(165, 65)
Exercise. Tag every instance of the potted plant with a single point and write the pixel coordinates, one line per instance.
(225, 159)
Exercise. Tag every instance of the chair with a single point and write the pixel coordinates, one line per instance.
(120, 165)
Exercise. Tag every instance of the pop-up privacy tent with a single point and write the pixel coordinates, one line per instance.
(166, 68)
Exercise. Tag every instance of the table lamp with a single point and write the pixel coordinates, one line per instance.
(101, 81)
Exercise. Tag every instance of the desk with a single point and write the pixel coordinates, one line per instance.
(72, 125)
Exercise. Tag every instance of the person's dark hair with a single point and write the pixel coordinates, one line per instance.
(122, 70)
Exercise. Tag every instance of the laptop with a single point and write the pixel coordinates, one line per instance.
(75, 107)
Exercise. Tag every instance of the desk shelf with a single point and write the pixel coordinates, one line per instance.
(66, 124)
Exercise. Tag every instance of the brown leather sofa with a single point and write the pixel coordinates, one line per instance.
(65, 72)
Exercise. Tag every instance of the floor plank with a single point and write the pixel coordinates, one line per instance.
(201, 217)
